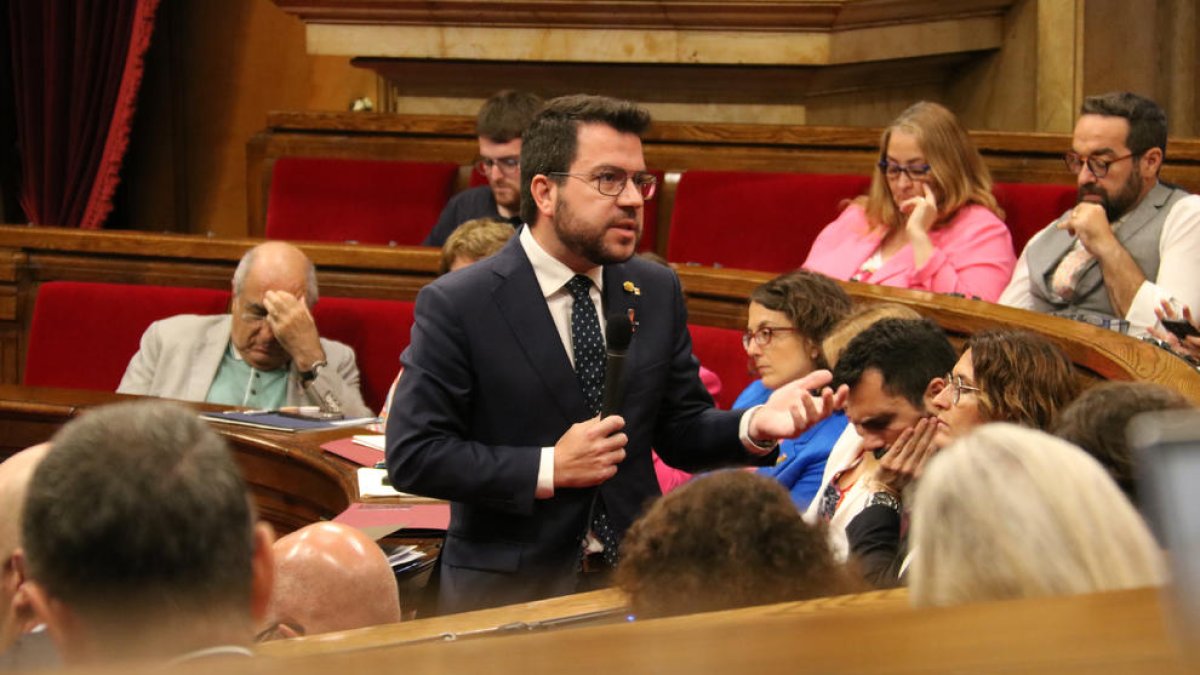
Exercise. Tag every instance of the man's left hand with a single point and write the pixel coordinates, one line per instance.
(791, 410)
(294, 328)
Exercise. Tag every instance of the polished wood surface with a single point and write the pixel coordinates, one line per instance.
(717, 297)
(1123, 631)
(294, 482)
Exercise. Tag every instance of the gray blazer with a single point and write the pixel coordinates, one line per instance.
(179, 357)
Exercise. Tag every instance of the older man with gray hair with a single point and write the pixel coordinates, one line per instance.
(266, 353)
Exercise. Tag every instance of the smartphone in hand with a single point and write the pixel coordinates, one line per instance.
(1180, 328)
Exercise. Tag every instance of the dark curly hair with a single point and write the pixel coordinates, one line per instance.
(730, 539)
(813, 302)
(1025, 378)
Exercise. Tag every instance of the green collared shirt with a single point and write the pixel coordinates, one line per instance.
(239, 383)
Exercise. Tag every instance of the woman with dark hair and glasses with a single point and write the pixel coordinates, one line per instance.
(788, 318)
(1004, 376)
(929, 221)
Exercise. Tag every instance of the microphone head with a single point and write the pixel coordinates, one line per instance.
(618, 333)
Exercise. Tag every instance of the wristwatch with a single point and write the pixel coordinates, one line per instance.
(885, 499)
(311, 374)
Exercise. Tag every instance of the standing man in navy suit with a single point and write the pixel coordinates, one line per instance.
(498, 407)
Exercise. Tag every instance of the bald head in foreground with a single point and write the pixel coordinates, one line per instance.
(331, 577)
(266, 353)
(140, 542)
(15, 616)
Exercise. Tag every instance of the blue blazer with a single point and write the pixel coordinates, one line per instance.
(487, 383)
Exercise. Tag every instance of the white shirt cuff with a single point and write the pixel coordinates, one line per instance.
(545, 477)
(744, 434)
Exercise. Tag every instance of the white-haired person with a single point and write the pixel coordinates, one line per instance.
(1009, 512)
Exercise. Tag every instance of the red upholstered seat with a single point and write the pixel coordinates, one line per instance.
(758, 221)
(377, 330)
(720, 350)
(83, 334)
(366, 201)
(1029, 207)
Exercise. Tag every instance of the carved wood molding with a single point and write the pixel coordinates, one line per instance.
(745, 15)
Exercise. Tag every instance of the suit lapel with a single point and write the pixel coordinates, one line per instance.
(523, 307)
(210, 350)
(622, 291)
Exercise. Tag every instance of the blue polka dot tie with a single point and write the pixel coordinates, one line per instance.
(587, 342)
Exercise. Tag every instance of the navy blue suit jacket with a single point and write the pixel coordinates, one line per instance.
(487, 383)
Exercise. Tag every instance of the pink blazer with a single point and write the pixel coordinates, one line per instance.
(972, 255)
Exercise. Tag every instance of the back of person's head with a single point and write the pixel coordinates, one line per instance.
(506, 115)
(1096, 422)
(473, 241)
(1147, 120)
(552, 139)
(813, 302)
(1024, 377)
(1010, 512)
(908, 353)
(331, 577)
(959, 174)
(729, 539)
(138, 527)
(858, 320)
(15, 473)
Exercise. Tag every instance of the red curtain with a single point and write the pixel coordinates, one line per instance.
(77, 67)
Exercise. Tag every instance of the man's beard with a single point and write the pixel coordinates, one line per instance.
(589, 245)
(1119, 204)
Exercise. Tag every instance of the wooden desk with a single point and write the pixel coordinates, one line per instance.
(294, 481)
(1110, 632)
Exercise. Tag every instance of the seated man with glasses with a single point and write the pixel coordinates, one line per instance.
(266, 353)
(501, 122)
(1131, 242)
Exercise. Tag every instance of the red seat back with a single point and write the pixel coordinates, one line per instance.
(83, 334)
(720, 350)
(758, 221)
(366, 201)
(377, 330)
(1029, 207)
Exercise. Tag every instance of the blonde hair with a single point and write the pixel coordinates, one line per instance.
(858, 320)
(1010, 512)
(475, 239)
(959, 175)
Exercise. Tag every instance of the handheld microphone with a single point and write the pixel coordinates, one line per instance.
(617, 336)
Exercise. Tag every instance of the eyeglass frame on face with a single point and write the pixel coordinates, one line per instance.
(892, 171)
(645, 182)
(955, 382)
(508, 165)
(1099, 167)
(763, 335)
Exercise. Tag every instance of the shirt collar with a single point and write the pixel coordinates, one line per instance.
(550, 272)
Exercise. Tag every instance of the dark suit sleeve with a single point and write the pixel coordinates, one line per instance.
(429, 450)
(690, 433)
(875, 542)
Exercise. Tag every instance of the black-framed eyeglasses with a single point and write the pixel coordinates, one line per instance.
(611, 182)
(955, 382)
(1097, 165)
(508, 165)
(915, 172)
(762, 337)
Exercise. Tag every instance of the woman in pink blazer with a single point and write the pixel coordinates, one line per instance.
(929, 221)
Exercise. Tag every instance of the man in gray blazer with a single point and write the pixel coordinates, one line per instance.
(1131, 242)
(266, 353)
